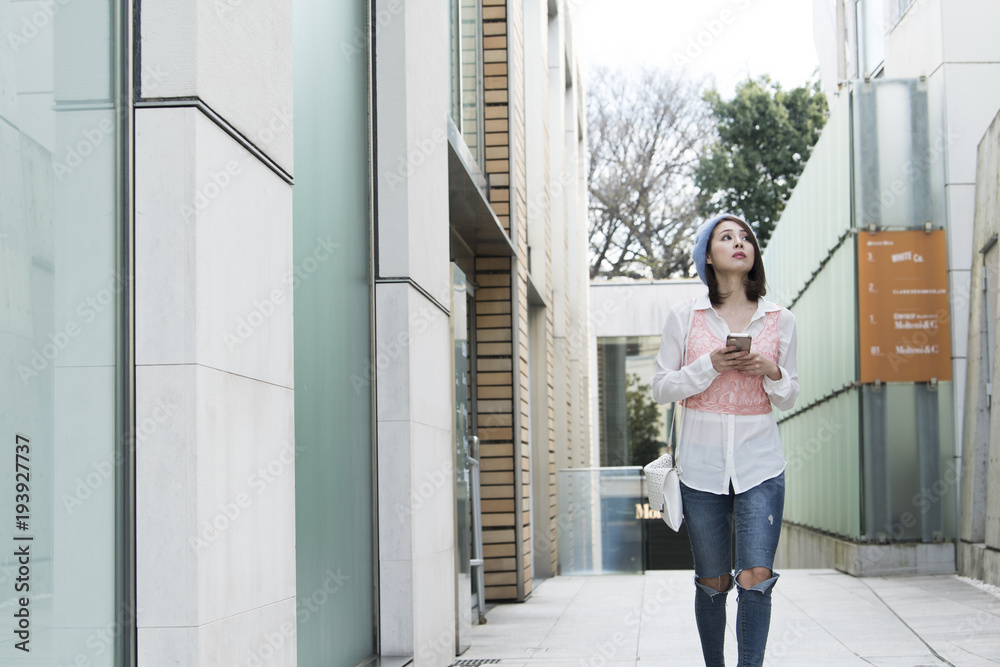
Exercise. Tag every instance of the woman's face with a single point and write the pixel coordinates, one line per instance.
(731, 250)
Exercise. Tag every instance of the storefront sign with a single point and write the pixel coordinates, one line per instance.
(903, 310)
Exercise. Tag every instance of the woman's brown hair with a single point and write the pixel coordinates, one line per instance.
(755, 283)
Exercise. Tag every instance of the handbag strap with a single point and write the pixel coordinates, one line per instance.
(673, 411)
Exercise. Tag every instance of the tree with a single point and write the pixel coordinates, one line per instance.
(765, 135)
(645, 132)
(644, 421)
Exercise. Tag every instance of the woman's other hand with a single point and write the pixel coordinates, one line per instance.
(756, 364)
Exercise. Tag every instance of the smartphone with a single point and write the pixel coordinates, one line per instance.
(740, 340)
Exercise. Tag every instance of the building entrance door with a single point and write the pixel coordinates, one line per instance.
(468, 537)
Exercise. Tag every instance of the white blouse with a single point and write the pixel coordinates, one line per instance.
(713, 449)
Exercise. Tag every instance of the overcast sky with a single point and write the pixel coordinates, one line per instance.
(725, 40)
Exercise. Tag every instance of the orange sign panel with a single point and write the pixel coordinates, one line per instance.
(903, 310)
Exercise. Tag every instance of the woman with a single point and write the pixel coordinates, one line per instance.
(729, 452)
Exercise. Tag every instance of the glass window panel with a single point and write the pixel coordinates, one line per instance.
(61, 300)
(910, 478)
(466, 75)
(899, 166)
(333, 365)
(871, 35)
(632, 426)
(600, 530)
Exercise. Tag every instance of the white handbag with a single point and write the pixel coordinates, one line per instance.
(663, 485)
(663, 482)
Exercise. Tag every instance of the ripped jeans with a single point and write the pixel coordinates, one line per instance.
(710, 519)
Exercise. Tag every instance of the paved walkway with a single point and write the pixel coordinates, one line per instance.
(819, 618)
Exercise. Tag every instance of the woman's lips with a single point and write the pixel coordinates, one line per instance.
(739, 255)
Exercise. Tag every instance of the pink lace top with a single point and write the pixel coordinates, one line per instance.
(732, 392)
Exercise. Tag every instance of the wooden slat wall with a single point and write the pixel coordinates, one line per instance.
(494, 395)
(506, 453)
(519, 200)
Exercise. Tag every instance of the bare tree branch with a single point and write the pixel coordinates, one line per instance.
(646, 134)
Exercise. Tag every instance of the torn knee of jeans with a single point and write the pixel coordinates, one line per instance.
(762, 586)
(711, 591)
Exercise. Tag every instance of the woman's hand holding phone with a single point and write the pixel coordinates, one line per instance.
(728, 358)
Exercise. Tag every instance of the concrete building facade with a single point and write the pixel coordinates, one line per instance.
(930, 68)
(283, 277)
(979, 546)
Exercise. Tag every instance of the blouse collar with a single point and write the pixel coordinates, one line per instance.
(763, 306)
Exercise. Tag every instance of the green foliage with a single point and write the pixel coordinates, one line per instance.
(765, 136)
(644, 422)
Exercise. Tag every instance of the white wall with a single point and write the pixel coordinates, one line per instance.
(215, 552)
(413, 336)
(235, 55)
(953, 45)
(215, 545)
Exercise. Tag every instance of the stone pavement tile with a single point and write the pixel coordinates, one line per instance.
(668, 633)
(960, 657)
(581, 623)
(854, 620)
(819, 618)
(958, 620)
(906, 661)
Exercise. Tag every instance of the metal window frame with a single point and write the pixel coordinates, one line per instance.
(124, 81)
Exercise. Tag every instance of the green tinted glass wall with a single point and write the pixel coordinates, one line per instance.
(333, 409)
(817, 215)
(864, 462)
(820, 436)
(62, 296)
